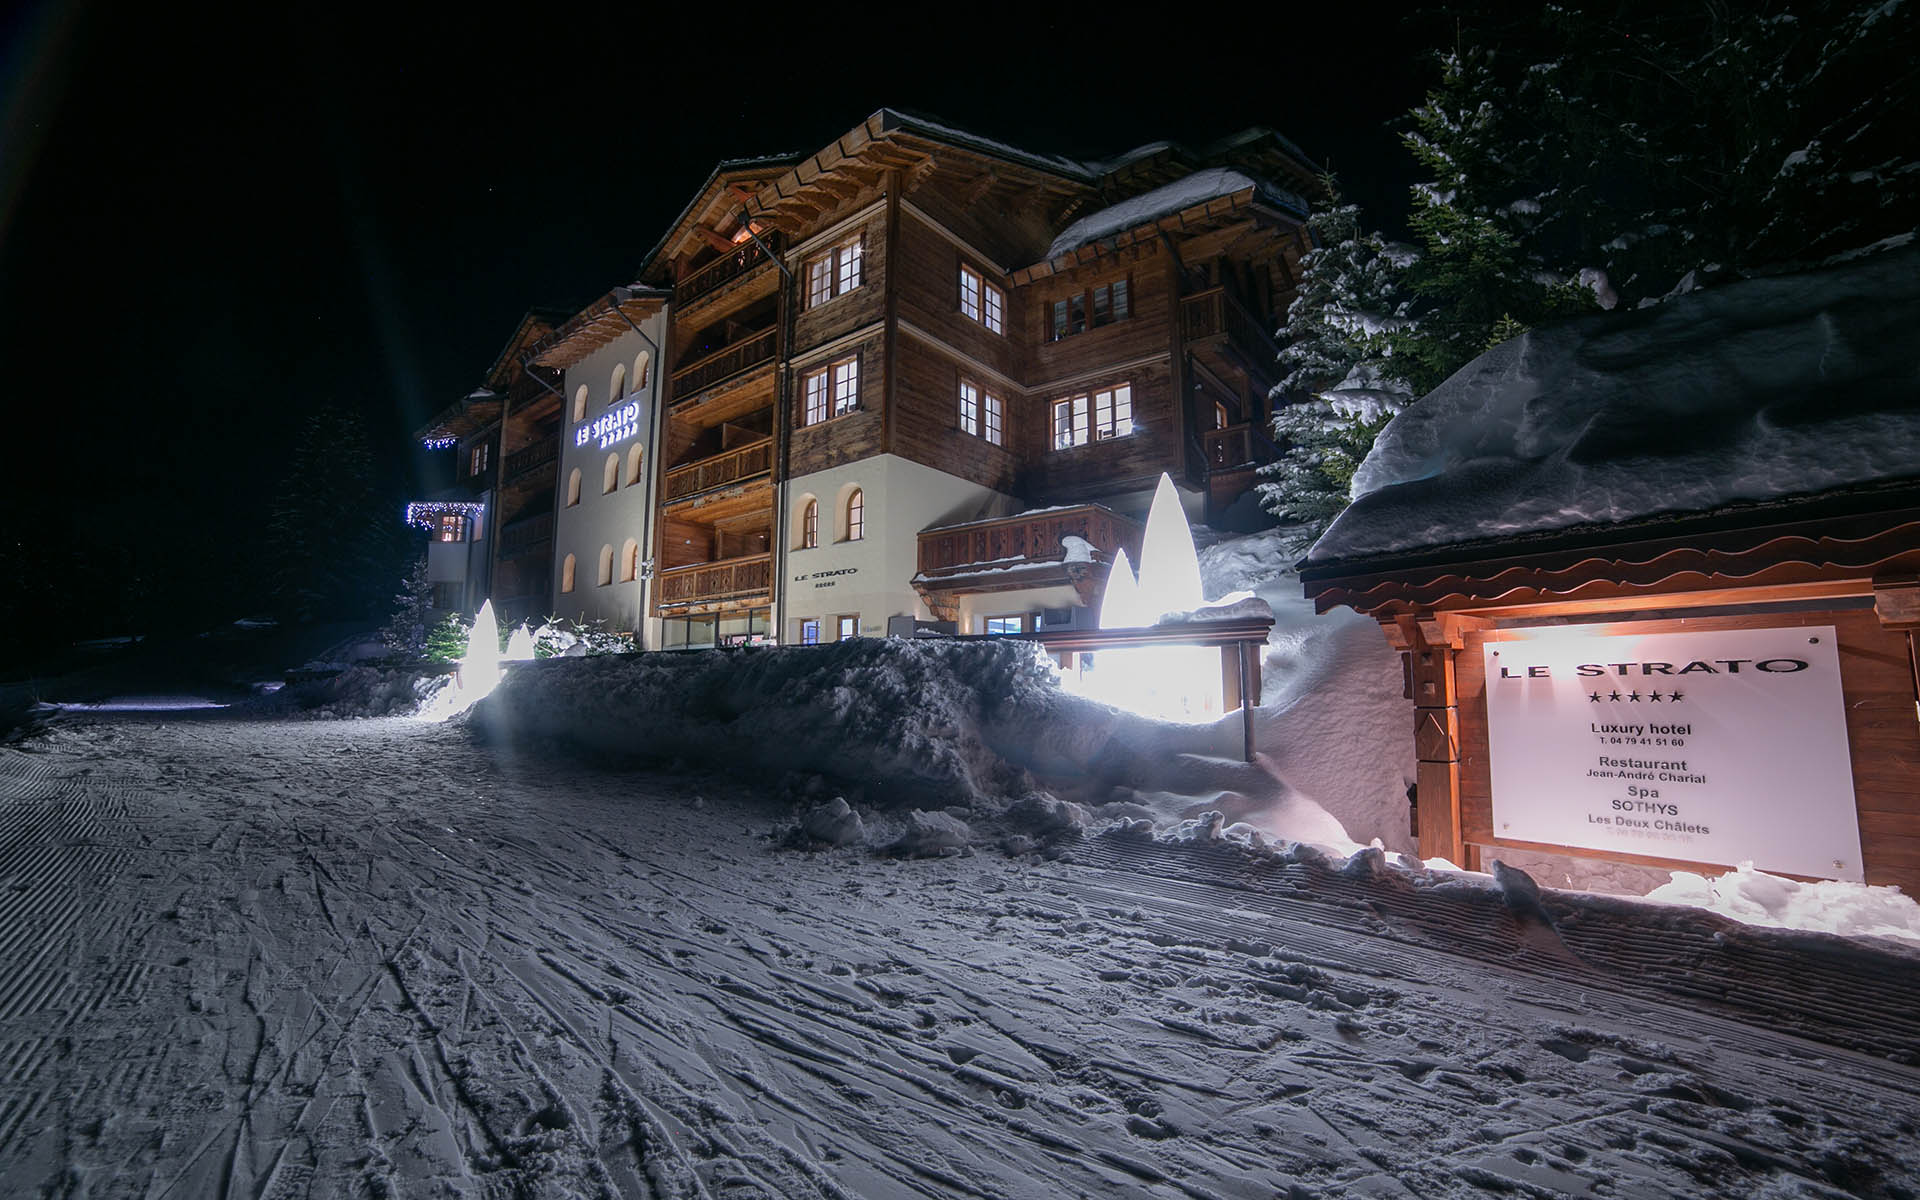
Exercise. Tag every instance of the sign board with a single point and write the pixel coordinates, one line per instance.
(1712, 747)
(610, 428)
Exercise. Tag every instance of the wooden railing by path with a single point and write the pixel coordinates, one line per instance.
(525, 459)
(740, 463)
(728, 579)
(728, 267)
(1238, 446)
(723, 364)
(518, 537)
(1034, 537)
(1214, 313)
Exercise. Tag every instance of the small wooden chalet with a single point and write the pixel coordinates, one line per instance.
(1656, 580)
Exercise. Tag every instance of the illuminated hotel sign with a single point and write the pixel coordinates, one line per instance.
(1709, 747)
(612, 427)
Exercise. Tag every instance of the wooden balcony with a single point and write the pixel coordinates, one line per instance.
(734, 264)
(733, 466)
(723, 364)
(710, 583)
(1022, 539)
(1238, 447)
(530, 458)
(525, 535)
(1213, 317)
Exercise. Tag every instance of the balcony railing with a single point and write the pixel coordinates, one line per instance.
(725, 269)
(728, 579)
(1032, 537)
(526, 534)
(735, 466)
(1238, 446)
(527, 458)
(1215, 314)
(723, 364)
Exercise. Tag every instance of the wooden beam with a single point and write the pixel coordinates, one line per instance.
(741, 193)
(713, 239)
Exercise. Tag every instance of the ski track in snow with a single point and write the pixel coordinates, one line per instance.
(255, 959)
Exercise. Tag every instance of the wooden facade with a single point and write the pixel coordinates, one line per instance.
(1850, 561)
(750, 322)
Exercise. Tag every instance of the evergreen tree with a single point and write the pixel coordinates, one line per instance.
(332, 538)
(1340, 332)
(406, 630)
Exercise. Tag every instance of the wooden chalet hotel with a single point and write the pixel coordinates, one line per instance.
(914, 376)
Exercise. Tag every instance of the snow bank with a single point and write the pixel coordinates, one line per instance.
(1750, 391)
(1757, 898)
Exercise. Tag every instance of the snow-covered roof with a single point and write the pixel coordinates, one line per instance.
(1760, 390)
(1197, 188)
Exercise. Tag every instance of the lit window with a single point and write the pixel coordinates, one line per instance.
(642, 369)
(479, 458)
(810, 631)
(630, 561)
(1109, 302)
(810, 525)
(834, 273)
(634, 463)
(1006, 625)
(606, 565)
(580, 403)
(452, 527)
(981, 413)
(856, 515)
(982, 301)
(832, 390)
(847, 627)
(617, 390)
(1104, 414)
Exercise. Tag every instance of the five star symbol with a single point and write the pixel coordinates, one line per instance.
(1636, 697)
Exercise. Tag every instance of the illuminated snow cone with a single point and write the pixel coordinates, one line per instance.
(1167, 683)
(519, 646)
(479, 670)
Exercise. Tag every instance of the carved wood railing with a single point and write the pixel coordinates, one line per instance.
(1034, 537)
(723, 364)
(728, 579)
(734, 466)
(728, 267)
(525, 459)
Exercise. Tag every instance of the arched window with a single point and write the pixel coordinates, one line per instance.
(618, 388)
(856, 515)
(610, 474)
(606, 565)
(634, 457)
(566, 574)
(642, 366)
(630, 561)
(573, 488)
(580, 403)
(810, 524)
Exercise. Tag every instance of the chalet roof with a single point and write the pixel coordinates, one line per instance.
(463, 418)
(1212, 183)
(1743, 404)
(598, 323)
(536, 324)
(701, 206)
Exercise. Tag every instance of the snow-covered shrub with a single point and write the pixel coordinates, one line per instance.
(446, 642)
(563, 636)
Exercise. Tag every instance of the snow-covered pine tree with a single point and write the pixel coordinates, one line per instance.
(406, 630)
(1479, 276)
(1334, 396)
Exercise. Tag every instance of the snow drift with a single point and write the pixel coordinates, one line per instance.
(1756, 390)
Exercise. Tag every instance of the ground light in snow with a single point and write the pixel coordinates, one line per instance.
(479, 671)
(1167, 683)
(519, 646)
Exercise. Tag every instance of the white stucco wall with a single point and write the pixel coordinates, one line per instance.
(606, 518)
(871, 577)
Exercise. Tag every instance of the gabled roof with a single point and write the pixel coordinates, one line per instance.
(600, 322)
(714, 199)
(536, 324)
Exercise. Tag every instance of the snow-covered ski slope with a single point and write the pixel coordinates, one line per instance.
(272, 959)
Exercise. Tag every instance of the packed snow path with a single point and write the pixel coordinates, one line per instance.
(275, 959)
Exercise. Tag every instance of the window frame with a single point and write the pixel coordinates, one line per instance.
(837, 392)
(1023, 620)
(1077, 419)
(1083, 306)
(809, 525)
(857, 515)
(835, 271)
(809, 631)
(450, 523)
(841, 630)
(983, 415)
(989, 302)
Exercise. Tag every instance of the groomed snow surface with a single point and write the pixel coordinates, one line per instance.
(275, 958)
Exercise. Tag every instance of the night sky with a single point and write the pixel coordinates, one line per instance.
(209, 225)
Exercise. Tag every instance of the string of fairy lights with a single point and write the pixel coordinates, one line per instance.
(426, 514)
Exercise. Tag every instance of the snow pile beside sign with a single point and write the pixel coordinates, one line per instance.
(1757, 390)
(1757, 898)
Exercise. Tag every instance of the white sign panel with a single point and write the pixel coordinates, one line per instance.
(1708, 747)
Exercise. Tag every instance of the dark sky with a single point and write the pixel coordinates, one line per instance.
(209, 224)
